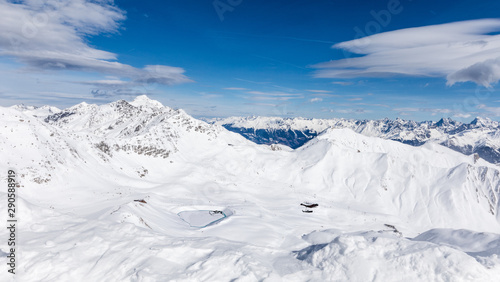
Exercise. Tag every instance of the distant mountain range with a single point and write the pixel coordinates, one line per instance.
(481, 136)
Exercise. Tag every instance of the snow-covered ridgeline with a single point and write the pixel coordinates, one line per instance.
(481, 136)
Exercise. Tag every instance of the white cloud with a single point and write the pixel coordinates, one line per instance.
(272, 94)
(406, 109)
(492, 110)
(262, 104)
(371, 104)
(319, 91)
(315, 100)
(433, 111)
(327, 95)
(52, 35)
(343, 83)
(352, 111)
(437, 111)
(461, 115)
(106, 83)
(485, 73)
(279, 96)
(235, 88)
(355, 99)
(460, 51)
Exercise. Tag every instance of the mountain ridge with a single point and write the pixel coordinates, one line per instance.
(481, 136)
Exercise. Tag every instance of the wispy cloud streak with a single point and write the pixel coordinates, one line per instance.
(459, 51)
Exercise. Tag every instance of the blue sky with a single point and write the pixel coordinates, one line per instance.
(417, 59)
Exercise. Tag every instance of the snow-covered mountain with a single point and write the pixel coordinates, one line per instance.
(481, 136)
(137, 191)
(42, 111)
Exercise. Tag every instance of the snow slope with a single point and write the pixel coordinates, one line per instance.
(108, 193)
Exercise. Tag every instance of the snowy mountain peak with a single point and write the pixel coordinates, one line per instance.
(144, 100)
(140, 108)
(22, 107)
(444, 121)
(42, 111)
(484, 122)
(83, 106)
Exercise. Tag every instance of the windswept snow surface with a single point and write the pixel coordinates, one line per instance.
(102, 191)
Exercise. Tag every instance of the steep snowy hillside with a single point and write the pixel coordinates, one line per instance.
(137, 191)
(481, 136)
